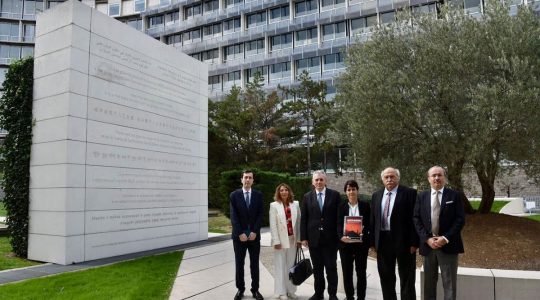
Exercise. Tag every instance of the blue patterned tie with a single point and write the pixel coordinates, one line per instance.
(247, 199)
(319, 199)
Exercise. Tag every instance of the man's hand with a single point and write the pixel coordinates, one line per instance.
(305, 243)
(433, 242)
(440, 241)
(252, 236)
(277, 247)
(243, 237)
(298, 244)
(345, 239)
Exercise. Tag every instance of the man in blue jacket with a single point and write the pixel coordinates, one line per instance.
(246, 218)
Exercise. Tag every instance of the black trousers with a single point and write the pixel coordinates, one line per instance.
(240, 249)
(324, 256)
(354, 256)
(386, 264)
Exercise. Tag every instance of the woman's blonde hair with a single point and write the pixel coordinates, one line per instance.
(289, 199)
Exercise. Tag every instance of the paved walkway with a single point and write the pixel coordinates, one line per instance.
(207, 273)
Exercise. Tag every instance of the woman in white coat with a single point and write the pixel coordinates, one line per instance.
(285, 229)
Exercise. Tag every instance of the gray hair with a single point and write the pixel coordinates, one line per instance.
(392, 168)
(319, 172)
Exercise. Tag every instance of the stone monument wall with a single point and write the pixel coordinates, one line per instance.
(119, 158)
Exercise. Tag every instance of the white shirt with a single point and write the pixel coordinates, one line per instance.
(353, 210)
(246, 191)
(392, 201)
(323, 195)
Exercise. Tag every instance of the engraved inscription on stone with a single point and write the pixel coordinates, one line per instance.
(115, 114)
(108, 134)
(115, 220)
(103, 199)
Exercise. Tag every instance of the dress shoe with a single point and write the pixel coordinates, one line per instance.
(238, 295)
(292, 296)
(258, 295)
(317, 297)
(333, 297)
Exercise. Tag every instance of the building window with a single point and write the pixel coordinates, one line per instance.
(279, 13)
(164, 2)
(305, 7)
(311, 65)
(174, 39)
(197, 56)
(388, 17)
(172, 17)
(9, 31)
(362, 25)
(114, 9)
(425, 9)
(333, 62)
(192, 11)
(253, 71)
(233, 52)
(214, 83)
(211, 55)
(29, 32)
(329, 4)
(232, 78)
(31, 7)
(472, 6)
(231, 25)
(282, 41)
(231, 3)
(334, 31)
(210, 6)
(51, 4)
(140, 6)
(255, 47)
(12, 8)
(189, 37)
(212, 30)
(256, 19)
(306, 37)
(9, 53)
(280, 71)
(155, 21)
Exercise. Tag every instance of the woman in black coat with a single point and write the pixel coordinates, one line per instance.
(352, 252)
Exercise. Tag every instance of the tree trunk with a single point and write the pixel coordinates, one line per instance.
(486, 172)
(455, 178)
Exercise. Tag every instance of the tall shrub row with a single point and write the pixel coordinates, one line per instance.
(16, 118)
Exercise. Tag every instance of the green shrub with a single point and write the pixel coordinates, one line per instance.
(16, 118)
(266, 182)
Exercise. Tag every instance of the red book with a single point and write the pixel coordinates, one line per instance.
(352, 228)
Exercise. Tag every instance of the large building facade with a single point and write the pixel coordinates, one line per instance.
(237, 38)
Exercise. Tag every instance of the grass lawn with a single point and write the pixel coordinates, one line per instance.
(219, 224)
(3, 212)
(8, 260)
(145, 278)
(495, 208)
(534, 217)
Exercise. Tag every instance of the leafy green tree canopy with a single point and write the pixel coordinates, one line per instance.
(453, 90)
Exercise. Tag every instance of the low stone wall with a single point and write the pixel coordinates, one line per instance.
(492, 284)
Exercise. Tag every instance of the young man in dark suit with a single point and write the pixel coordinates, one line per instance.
(318, 231)
(439, 218)
(394, 235)
(246, 218)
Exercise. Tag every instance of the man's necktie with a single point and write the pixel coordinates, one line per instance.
(435, 212)
(319, 199)
(386, 211)
(247, 199)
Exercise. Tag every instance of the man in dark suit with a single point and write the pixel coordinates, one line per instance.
(246, 218)
(394, 235)
(318, 231)
(439, 218)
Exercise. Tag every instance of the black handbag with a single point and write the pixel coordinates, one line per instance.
(302, 268)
